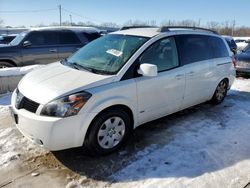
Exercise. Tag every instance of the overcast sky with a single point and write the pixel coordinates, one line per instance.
(33, 12)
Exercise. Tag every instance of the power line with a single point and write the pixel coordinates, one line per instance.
(29, 11)
(85, 17)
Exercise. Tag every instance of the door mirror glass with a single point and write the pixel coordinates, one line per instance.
(148, 70)
(26, 43)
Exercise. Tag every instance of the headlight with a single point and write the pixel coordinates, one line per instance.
(66, 106)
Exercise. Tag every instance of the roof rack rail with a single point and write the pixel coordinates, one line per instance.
(167, 28)
(135, 27)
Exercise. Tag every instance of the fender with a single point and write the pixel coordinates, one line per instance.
(116, 100)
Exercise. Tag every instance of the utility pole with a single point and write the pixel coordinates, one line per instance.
(70, 16)
(233, 27)
(60, 14)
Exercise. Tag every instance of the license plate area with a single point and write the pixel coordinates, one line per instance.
(13, 115)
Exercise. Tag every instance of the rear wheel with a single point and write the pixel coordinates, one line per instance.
(108, 131)
(4, 64)
(220, 92)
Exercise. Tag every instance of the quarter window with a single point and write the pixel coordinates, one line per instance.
(162, 53)
(219, 47)
(91, 36)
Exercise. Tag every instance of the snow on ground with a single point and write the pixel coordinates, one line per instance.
(12, 144)
(209, 152)
(16, 71)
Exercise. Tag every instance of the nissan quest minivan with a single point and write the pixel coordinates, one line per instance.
(124, 79)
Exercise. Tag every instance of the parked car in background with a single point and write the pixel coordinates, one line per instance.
(243, 61)
(124, 79)
(241, 43)
(45, 45)
(6, 39)
(231, 43)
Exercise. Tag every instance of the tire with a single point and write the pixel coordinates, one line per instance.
(108, 131)
(220, 92)
(4, 64)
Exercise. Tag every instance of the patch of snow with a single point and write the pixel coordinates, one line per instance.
(5, 99)
(17, 71)
(206, 152)
(12, 143)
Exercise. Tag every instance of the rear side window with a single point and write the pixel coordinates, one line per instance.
(219, 47)
(193, 48)
(68, 37)
(91, 36)
(40, 38)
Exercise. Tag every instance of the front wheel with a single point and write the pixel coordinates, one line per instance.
(108, 131)
(220, 92)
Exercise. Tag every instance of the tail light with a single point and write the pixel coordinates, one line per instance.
(234, 61)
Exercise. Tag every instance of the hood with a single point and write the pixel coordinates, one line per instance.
(243, 57)
(45, 84)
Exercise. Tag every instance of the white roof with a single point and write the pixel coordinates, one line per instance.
(64, 27)
(151, 32)
(144, 32)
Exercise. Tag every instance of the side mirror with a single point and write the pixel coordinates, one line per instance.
(26, 43)
(148, 70)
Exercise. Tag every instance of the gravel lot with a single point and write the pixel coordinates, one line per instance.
(203, 146)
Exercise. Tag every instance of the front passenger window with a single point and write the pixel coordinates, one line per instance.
(42, 38)
(162, 53)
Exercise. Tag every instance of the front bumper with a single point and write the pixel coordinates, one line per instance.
(52, 133)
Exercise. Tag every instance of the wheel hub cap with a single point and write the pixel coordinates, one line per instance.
(111, 132)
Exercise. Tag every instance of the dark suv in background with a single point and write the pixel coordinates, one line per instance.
(45, 45)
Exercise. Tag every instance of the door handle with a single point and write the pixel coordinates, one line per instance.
(191, 73)
(53, 50)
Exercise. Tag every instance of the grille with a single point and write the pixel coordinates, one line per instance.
(27, 104)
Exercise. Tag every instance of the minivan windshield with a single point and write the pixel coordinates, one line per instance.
(18, 39)
(107, 54)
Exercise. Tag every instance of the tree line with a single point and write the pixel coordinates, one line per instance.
(224, 28)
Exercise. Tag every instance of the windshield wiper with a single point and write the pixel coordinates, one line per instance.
(81, 67)
(73, 65)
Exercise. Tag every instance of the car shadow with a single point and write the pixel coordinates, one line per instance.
(167, 140)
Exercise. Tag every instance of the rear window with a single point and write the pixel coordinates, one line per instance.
(219, 47)
(193, 48)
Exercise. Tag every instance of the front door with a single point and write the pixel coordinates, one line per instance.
(161, 95)
(42, 48)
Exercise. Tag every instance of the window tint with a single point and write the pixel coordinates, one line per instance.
(194, 48)
(68, 37)
(40, 38)
(91, 36)
(162, 53)
(219, 47)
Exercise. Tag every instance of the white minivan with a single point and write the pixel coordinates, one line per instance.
(101, 93)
